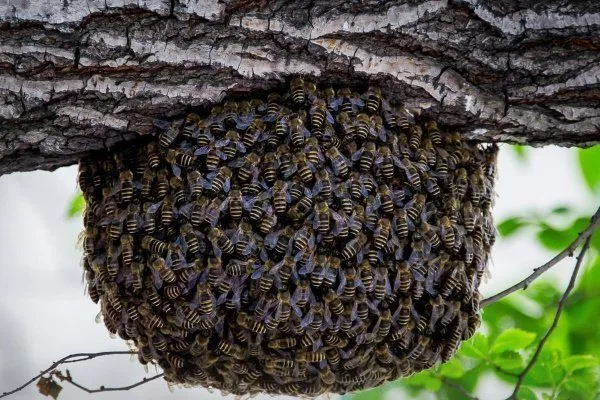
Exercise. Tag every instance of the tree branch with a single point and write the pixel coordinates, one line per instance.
(460, 388)
(85, 75)
(72, 358)
(144, 380)
(559, 309)
(537, 272)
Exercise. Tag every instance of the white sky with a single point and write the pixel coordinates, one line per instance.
(44, 315)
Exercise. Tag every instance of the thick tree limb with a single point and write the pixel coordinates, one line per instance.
(537, 272)
(81, 75)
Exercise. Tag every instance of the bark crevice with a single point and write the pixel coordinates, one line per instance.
(82, 77)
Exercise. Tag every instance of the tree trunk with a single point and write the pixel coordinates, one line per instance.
(79, 75)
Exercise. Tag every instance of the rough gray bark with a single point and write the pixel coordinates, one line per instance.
(79, 75)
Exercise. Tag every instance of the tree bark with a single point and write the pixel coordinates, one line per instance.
(80, 75)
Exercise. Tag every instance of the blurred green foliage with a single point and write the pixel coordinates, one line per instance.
(76, 205)
(569, 364)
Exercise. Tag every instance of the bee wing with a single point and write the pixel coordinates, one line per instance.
(156, 279)
(436, 313)
(221, 143)
(356, 155)
(309, 265)
(227, 185)
(257, 273)
(202, 150)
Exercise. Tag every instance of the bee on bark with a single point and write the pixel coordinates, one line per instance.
(170, 135)
(297, 90)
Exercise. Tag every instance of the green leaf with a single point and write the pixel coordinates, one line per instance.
(560, 210)
(424, 380)
(581, 386)
(452, 369)
(526, 393)
(575, 363)
(76, 205)
(477, 347)
(509, 361)
(556, 239)
(371, 394)
(512, 339)
(589, 164)
(510, 226)
(520, 152)
(547, 370)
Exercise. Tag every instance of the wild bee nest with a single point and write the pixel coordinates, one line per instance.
(318, 241)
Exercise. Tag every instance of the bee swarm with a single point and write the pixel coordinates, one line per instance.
(318, 241)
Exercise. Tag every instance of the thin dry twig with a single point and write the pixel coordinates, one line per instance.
(144, 380)
(71, 358)
(537, 272)
(559, 309)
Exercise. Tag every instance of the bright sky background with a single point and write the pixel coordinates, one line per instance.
(44, 315)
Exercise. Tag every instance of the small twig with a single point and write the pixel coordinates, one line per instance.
(460, 388)
(113, 389)
(71, 358)
(559, 309)
(568, 252)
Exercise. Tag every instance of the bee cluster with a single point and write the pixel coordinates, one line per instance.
(318, 241)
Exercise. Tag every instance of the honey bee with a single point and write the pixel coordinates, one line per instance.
(159, 266)
(190, 238)
(204, 299)
(429, 233)
(280, 197)
(373, 101)
(298, 93)
(220, 180)
(411, 172)
(282, 344)
(333, 302)
(154, 245)
(382, 233)
(126, 185)
(247, 322)
(302, 207)
(284, 307)
(152, 320)
(363, 126)
(170, 135)
(147, 180)
(248, 167)
(415, 207)
(305, 168)
(354, 246)
(455, 280)
(298, 132)
(268, 222)
(310, 356)
(166, 212)
(382, 284)
(179, 159)
(319, 113)
(365, 156)
(342, 195)
(447, 232)
(199, 345)
(161, 184)
(127, 250)
(211, 212)
(338, 162)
